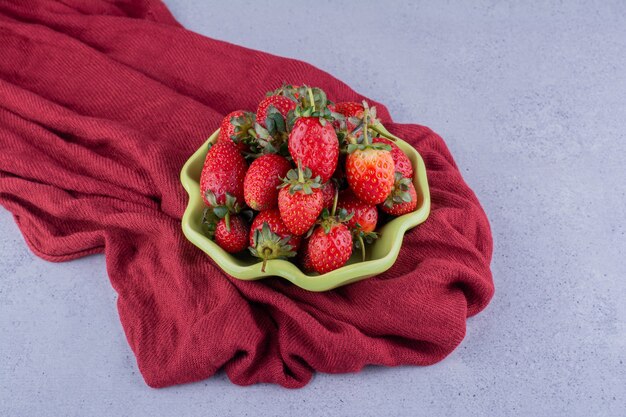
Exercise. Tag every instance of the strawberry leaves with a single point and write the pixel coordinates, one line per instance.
(361, 146)
(314, 103)
(209, 222)
(287, 90)
(361, 238)
(328, 219)
(268, 245)
(242, 128)
(223, 211)
(400, 193)
(273, 137)
(366, 123)
(300, 180)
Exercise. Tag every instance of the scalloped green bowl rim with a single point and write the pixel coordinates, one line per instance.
(380, 256)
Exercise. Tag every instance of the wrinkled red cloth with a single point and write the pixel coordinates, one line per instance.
(101, 103)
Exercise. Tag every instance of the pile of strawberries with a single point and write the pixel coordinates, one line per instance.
(318, 174)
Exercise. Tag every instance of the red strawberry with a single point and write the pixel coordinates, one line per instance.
(263, 176)
(277, 226)
(235, 126)
(299, 211)
(300, 201)
(363, 214)
(328, 194)
(270, 238)
(401, 162)
(221, 181)
(330, 247)
(370, 173)
(315, 145)
(403, 198)
(233, 240)
(362, 221)
(313, 141)
(281, 103)
(369, 168)
(349, 109)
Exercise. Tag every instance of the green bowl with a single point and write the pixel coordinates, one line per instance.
(380, 256)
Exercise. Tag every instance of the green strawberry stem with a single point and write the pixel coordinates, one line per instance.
(380, 129)
(223, 211)
(266, 253)
(366, 116)
(376, 127)
(227, 221)
(300, 174)
(299, 179)
(362, 244)
(332, 214)
(311, 98)
(267, 245)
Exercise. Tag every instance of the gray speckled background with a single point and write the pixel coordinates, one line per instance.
(531, 99)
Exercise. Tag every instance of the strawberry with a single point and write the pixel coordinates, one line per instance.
(401, 162)
(328, 194)
(300, 200)
(363, 220)
(402, 199)
(313, 141)
(277, 226)
(330, 249)
(233, 240)
(370, 173)
(330, 244)
(350, 110)
(262, 179)
(236, 127)
(270, 238)
(364, 216)
(369, 168)
(280, 103)
(271, 136)
(221, 181)
(315, 145)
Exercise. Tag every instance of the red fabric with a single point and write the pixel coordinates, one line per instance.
(102, 102)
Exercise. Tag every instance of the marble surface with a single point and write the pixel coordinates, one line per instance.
(531, 98)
